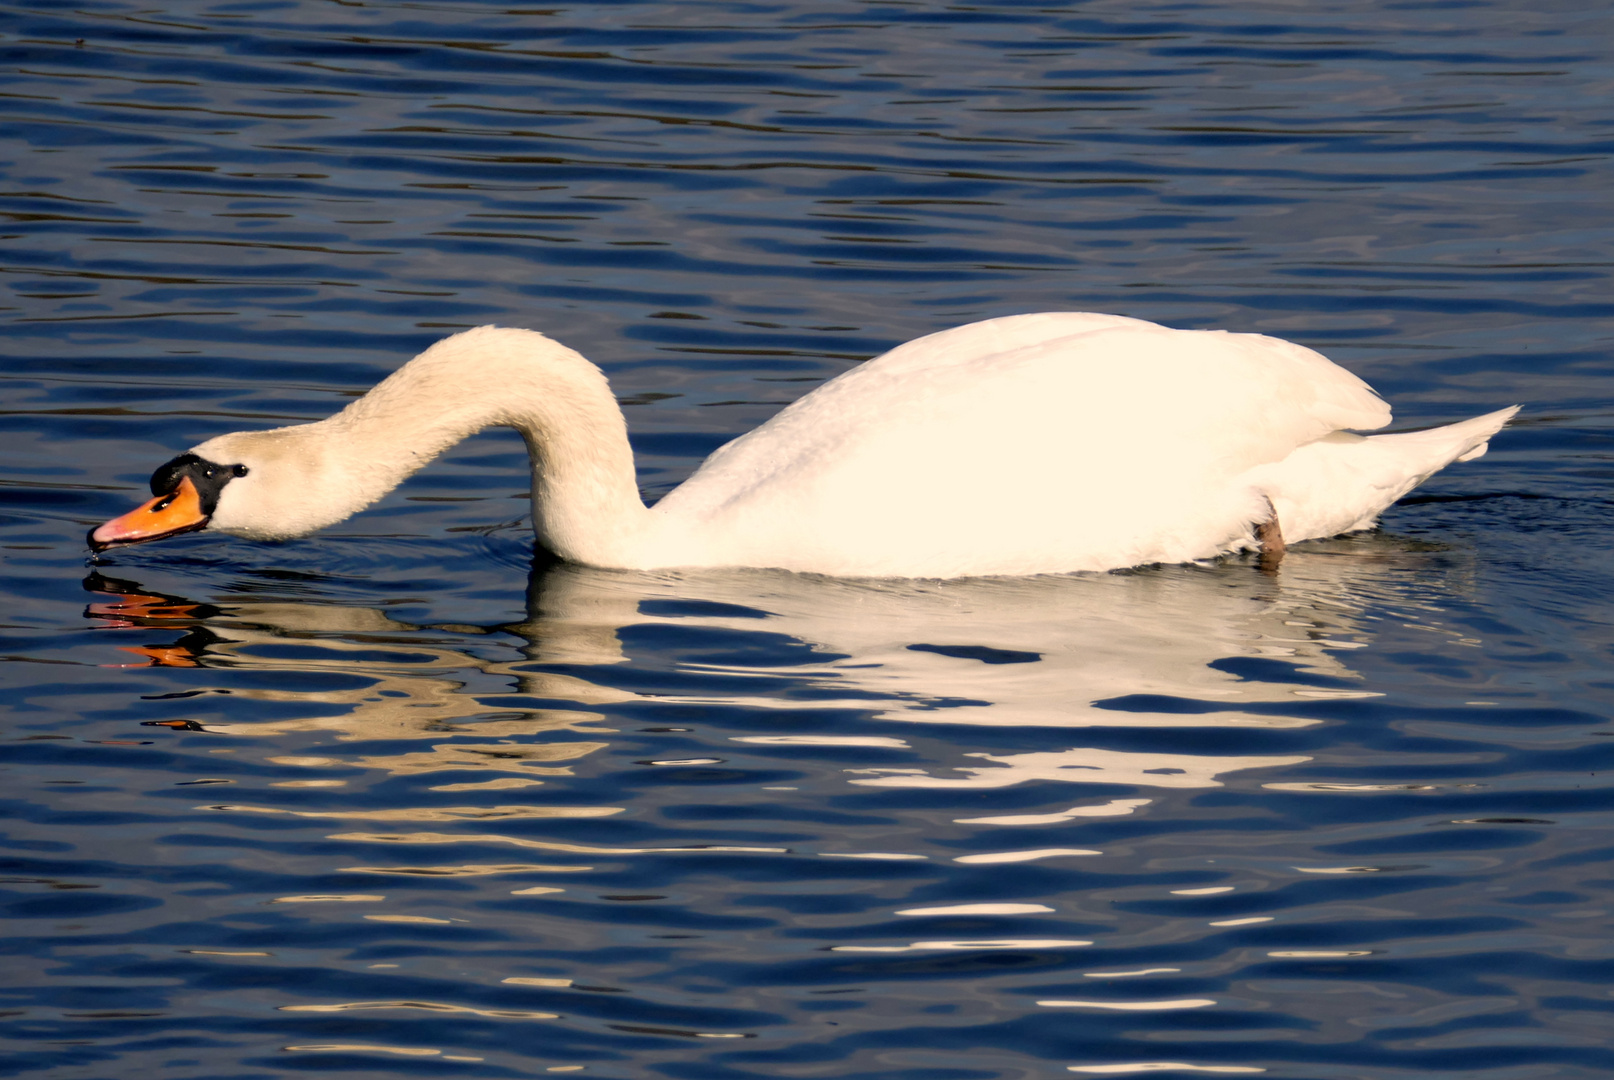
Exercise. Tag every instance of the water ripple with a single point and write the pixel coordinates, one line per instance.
(1343, 822)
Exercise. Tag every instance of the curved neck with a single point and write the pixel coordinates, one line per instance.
(585, 499)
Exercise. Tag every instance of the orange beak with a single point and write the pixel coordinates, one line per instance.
(179, 511)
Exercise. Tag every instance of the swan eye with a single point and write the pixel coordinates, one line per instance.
(208, 476)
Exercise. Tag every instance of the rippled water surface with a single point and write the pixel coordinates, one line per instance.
(402, 799)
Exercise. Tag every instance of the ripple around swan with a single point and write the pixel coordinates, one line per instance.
(378, 801)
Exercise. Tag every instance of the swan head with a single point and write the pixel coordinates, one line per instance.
(187, 490)
(263, 485)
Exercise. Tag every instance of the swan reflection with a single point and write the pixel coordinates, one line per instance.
(410, 687)
(1057, 651)
(1183, 647)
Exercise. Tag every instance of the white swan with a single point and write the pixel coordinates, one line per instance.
(1021, 445)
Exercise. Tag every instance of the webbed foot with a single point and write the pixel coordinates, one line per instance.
(1270, 535)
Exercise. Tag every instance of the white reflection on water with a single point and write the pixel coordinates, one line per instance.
(544, 845)
(346, 898)
(1155, 648)
(429, 1006)
(434, 813)
(412, 686)
(1043, 651)
(1114, 650)
(373, 1048)
(932, 946)
(1087, 765)
(979, 909)
(1113, 808)
(994, 857)
(1160, 1066)
(1132, 1006)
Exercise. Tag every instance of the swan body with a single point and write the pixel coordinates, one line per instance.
(1022, 445)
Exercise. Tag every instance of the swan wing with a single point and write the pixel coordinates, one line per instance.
(1036, 442)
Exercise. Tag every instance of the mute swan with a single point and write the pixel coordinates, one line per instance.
(1022, 445)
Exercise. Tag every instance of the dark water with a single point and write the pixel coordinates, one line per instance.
(397, 800)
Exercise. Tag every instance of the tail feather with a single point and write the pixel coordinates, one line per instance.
(1343, 482)
(1435, 448)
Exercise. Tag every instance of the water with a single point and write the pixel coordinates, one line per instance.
(401, 799)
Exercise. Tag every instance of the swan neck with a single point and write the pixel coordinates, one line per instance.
(585, 500)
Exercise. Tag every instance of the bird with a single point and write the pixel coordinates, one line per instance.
(1044, 443)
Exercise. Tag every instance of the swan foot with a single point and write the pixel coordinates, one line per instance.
(1270, 535)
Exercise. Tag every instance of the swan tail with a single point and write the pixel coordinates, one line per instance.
(1343, 482)
(1433, 449)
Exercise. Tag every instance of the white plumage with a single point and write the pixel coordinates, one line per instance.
(1021, 445)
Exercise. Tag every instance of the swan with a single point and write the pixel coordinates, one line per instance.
(1029, 444)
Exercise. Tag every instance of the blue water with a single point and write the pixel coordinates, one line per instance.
(404, 799)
